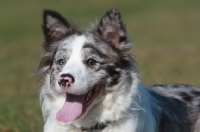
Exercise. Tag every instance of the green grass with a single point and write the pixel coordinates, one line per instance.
(166, 36)
(21, 114)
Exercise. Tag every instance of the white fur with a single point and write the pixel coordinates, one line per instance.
(74, 65)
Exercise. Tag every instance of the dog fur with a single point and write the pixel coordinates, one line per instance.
(99, 58)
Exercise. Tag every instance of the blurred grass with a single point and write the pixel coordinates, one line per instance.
(166, 36)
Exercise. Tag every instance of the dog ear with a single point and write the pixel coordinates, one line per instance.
(112, 30)
(56, 27)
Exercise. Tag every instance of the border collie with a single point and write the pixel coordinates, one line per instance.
(91, 83)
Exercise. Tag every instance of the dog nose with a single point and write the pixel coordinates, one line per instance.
(65, 80)
(68, 77)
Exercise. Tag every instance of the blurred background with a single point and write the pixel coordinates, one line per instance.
(166, 37)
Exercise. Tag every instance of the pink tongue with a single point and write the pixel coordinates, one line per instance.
(71, 109)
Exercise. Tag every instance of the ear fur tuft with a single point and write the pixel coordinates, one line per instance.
(56, 27)
(112, 30)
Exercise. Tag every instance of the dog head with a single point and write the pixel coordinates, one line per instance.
(84, 65)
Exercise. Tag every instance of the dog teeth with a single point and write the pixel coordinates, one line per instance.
(88, 94)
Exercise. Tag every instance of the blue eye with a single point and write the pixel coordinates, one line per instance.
(61, 62)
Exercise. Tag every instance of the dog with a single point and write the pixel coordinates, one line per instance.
(91, 83)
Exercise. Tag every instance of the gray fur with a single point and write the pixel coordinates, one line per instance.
(183, 92)
(182, 98)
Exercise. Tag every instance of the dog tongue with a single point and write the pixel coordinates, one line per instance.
(71, 109)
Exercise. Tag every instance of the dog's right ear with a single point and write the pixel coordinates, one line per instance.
(55, 27)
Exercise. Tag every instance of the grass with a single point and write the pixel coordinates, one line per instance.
(166, 48)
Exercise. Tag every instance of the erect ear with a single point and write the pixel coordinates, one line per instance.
(56, 27)
(112, 30)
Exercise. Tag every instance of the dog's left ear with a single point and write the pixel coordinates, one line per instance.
(112, 30)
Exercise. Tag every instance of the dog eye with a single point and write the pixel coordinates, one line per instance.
(61, 62)
(91, 62)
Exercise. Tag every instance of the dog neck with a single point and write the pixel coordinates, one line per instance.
(98, 126)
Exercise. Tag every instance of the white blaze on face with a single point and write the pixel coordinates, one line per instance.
(74, 64)
(73, 106)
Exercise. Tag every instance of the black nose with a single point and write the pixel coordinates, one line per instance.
(68, 76)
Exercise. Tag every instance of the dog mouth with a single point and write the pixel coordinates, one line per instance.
(76, 105)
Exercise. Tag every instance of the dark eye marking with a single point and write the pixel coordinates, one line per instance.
(95, 50)
(61, 61)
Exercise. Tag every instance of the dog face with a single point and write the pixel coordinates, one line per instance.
(82, 65)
